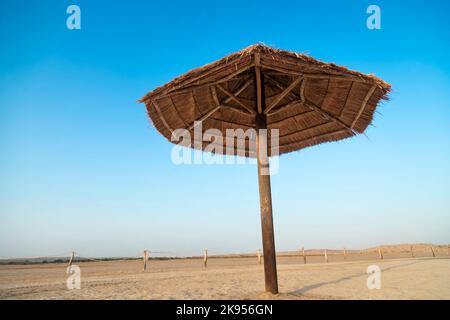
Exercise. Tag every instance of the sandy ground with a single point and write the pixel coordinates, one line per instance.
(230, 278)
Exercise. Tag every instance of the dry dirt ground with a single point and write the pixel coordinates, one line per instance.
(230, 278)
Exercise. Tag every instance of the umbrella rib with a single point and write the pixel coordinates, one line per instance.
(237, 93)
(346, 98)
(326, 115)
(316, 76)
(204, 117)
(220, 105)
(176, 110)
(279, 85)
(302, 98)
(215, 97)
(197, 80)
(287, 70)
(276, 82)
(183, 89)
(302, 90)
(283, 107)
(363, 106)
(158, 110)
(283, 94)
(195, 104)
(235, 99)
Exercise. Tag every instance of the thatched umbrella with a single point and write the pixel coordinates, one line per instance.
(308, 101)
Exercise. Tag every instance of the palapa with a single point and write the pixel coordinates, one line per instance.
(308, 101)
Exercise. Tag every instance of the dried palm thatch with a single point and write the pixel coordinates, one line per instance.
(309, 101)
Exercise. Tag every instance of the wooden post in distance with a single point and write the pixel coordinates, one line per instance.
(72, 256)
(205, 258)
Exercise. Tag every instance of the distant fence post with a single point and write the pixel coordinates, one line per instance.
(448, 249)
(205, 258)
(72, 256)
(325, 255)
(145, 258)
(345, 254)
(432, 251)
(259, 256)
(380, 253)
(412, 251)
(304, 256)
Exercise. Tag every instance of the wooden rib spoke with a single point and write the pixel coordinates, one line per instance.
(222, 104)
(235, 99)
(283, 94)
(326, 115)
(158, 110)
(283, 107)
(363, 106)
(204, 117)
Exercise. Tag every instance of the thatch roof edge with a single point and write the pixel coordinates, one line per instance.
(325, 67)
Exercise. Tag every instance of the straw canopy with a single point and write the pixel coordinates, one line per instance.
(259, 89)
(308, 101)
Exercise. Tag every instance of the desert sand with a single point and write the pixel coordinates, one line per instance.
(403, 277)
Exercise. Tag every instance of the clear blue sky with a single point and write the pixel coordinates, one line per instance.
(82, 168)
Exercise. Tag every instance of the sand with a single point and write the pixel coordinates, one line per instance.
(230, 278)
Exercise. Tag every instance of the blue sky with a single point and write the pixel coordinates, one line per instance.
(82, 168)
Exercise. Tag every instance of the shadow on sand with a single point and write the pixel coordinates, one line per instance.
(306, 289)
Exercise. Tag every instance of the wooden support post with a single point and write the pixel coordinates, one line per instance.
(259, 256)
(145, 259)
(380, 253)
(432, 251)
(72, 256)
(412, 251)
(205, 258)
(345, 254)
(265, 196)
(325, 255)
(304, 256)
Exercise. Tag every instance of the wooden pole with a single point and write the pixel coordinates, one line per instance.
(304, 256)
(259, 256)
(72, 256)
(265, 197)
(205, 258)
(145, 258)
(380, 253)
(432, 251)
(345, 254)
(412, 252)
(448, 249)
(325, 255)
